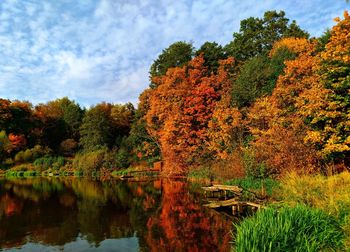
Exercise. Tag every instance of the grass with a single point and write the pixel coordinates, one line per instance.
(203, 173)
(29, 173)
(331, 194)
(262, 187)
(289, 229)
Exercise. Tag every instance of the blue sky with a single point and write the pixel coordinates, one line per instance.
(101, 50)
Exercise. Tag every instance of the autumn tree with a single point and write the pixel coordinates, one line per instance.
(326, 105)
(278, 131)
(181, 107)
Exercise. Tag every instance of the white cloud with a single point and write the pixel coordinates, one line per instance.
(101, 50)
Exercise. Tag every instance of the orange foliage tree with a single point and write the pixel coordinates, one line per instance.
(326, 105)
(180, 109)
(274, 122)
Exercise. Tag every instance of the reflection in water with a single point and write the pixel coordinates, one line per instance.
(72, 214)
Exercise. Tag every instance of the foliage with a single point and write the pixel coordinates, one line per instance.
(326, 104)
(277, 129)
(68, 147)
(289, 229)
(4, 144)
(96, 128)
(258, 76)
(90, 161)
(257, 35)
(176, 55)
(122, 158)
(46, 162)
(29, 155)
(260, 186)
(212, 54)
(180, 109)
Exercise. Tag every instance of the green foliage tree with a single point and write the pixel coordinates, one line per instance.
(176, 55)
(4, 143)
(257, 35)
(96, 129)
(122, 117)
(72, 116)
(258, 77)
(212, 53)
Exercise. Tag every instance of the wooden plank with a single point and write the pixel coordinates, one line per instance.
(222, 203)
(254, 205)
(236, 205)
(216, 188)
(211, 189)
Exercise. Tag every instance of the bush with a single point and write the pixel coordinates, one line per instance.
(19, 157)
(47, 162)
(252, 167)
(68, 147)
(122, 159)
(261, 187)
(27, 155)
(289, 229)
(31, 154)
(90, 161)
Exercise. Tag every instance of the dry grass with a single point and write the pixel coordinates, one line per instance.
(331, 194)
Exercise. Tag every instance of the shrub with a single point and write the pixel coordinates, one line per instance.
(68, 147)
(90, 161)
(252, 167)
(27, 155)
(31, 154)
(122, 159)
(261, 187)
(289, 229)
(19, 157)
(47, 162)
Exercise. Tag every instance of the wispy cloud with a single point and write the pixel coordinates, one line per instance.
(101, 50)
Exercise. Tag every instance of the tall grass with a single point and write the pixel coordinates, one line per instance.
(331, 194)
(290, 229)
(262, 187)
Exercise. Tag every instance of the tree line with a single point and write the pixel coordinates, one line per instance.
(270, 101)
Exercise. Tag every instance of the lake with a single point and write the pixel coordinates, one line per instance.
(79, 214)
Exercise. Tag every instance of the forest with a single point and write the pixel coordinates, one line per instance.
(270, 107)
(271, 101)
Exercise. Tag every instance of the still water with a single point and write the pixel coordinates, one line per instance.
(75, 214)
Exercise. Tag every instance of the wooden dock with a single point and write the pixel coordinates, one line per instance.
(234, 203)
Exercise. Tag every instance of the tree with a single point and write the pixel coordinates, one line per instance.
(176, 55)
(257, 35)
(274, 121)
(4, 144)
(212, 54)
(180, 109)
(258, 77)
(96, 129)
(326, 105)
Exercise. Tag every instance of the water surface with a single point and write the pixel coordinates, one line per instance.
(75, 214)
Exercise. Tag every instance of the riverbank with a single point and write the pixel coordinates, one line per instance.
(301, 210)
(305, 213)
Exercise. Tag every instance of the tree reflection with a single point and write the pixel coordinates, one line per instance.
(163, 214)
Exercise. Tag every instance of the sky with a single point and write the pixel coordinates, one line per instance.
(101, 50)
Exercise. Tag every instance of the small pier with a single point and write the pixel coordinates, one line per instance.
(228, 198)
